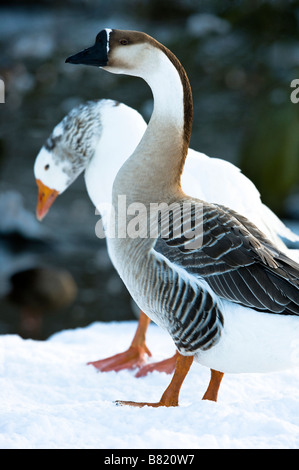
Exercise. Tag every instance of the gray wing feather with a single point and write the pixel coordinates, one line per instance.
(236, 259)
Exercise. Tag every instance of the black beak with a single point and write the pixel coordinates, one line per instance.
(96, 55)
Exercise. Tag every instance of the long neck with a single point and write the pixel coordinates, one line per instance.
(173, 98)
(157, 163)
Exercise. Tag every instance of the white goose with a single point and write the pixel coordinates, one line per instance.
(230, 301)
(98, 137)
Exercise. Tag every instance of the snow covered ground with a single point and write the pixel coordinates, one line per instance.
(50, 399)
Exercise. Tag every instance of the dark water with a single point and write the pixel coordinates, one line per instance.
(240, 61)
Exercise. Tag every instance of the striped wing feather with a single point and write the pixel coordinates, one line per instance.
(237, 261)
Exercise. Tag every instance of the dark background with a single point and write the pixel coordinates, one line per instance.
(240, 56)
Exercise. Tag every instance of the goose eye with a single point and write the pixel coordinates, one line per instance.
(47, 166)
(123, 42)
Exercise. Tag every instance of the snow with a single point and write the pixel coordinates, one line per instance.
(51, 399)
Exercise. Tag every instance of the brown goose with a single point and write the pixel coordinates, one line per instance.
(227, 296)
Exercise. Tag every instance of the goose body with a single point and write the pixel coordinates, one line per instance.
(223, 335)
(231, 300)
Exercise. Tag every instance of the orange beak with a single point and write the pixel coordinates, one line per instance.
(46, 197)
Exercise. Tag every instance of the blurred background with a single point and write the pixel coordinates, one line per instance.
(240, 56)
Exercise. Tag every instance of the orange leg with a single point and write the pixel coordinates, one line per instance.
(213, 388)
(168, 366)
(132, 357)
(135, 357)
(171, 395)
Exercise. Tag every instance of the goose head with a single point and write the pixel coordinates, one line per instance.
(50, 181)
(64, 156)
(121, 52)
(96, 137)
(135, 53)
